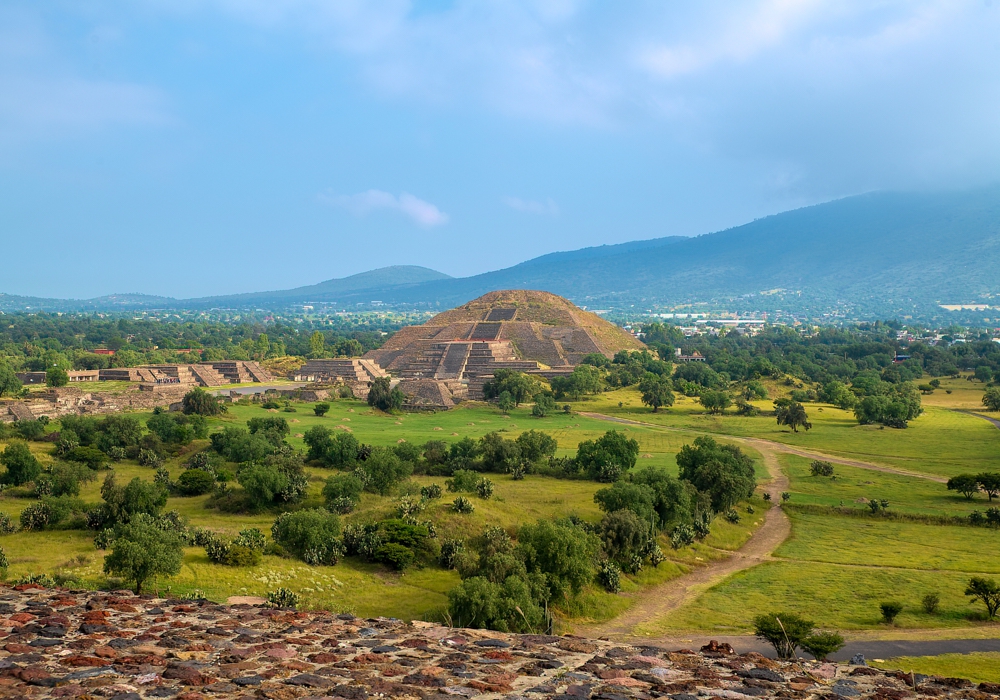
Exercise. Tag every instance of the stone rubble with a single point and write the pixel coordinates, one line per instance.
(85, 644)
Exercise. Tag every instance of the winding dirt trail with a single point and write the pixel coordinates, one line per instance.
(760, 444)
(661, 600)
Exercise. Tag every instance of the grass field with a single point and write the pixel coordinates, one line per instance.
(979, 668)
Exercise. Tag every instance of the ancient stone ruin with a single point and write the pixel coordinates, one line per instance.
(79, 644)
(528, 331)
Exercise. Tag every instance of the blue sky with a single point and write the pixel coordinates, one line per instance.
(194, 147)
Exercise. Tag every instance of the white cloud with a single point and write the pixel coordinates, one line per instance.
(419, 211)
(532, 207)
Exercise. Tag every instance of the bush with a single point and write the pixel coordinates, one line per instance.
(311, 535)
(930, 603)
(609, 457)
(200, 402)
(22, 466)
(397, 556)
(343, 487)
(890, 610)
(91, 456)
(451, 551)
(462, 505)
(383, 471)
(35, 516)
(462, 480)
(820, 468)
(507, 606)
(431, 492)
(624, 536)
(384, 398)
(732, 516)
(7, 526)
(544, 405)
(484, 487)
(723, 472)
(822, 644)
(682, 536)
(195, 482)
(321, 409)
(610, 576)
(283, 598)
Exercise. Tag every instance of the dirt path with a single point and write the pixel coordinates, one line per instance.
(661, 600)
(760, 444)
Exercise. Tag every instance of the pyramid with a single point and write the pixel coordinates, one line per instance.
(517, 329)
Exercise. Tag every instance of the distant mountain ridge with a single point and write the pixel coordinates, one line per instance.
(875, 255)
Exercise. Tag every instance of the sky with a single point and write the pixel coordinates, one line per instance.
(197, 147)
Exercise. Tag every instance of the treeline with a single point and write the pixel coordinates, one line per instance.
(37, 342)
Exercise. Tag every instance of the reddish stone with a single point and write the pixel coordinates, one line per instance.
(80, 660)
(106, 653)
(22, 617)
(31, 674)
(199, 647)
(609, 673)
(187, 676)
(281, 653)
(500, 655)
(14, 648)
(371, 658)
(324, 657)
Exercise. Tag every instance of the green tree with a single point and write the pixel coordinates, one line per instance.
(984, 374)
(10, 385)
(536, 445)
(200, 402)
(312, 535)
(989, 482)
(987, 592)
(822, 644)
(141, 550)
(544, 404)
(656, 391)
(520, 386)
(792, 414)
(262, 483)
(754, 389)
(965, 484)
(505, 402)
(559, 551)
(321, 409)
(783, 631)
(317, 345)
(608, 457)
(623, 495)
(991, 399)
(508, 606)
(723, 472)
(22, 466)
(715, 401)
(383, 396)
(342, 486)
(56, 376)
(383, 471)
(195, 482)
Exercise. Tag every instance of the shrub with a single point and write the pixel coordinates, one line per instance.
(462, 480)
(451, 551)
(624, 536)
(340, 488)
(462, 505)
(383, 471)
(821, 468)
(321, 409)
(149, 458)
(890, 610)
(822, 644)
(312, 535)
(36, 516)
(7, 526)
(408, 508)
(283, 598)
(195, 482)
(200, 402)
(384, 398)
(22, 466)
(930, 603)
(608, 457)
(732, 516)
(507, 606)
(724, 472)
(484, 487)
(362, 540)
(431, 492)
(91, 456)
(609, 576)
(682, 536)
(395, 555)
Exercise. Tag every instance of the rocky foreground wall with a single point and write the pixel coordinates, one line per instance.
(76, 644)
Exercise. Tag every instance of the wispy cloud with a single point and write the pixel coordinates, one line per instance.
(532, 207)
(419, 211)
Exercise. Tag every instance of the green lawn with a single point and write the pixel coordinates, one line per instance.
(978, 667)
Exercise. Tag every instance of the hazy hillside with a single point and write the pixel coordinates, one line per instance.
(875, 255)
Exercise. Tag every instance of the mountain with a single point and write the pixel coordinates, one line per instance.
(870, 256)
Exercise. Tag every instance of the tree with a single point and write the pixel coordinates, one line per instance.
(724, 472)
(672, 501)
(195, 482)
(343, 486)
(536, 445)
(22, 466)
(966, 484)
(990, 483)
(544, 404)
(499, 455)
(520, 386)
(754, 389)
(56, 376)
(623, 495)
(559, 551)
(991, 399)
(987, 592)
(317, 345)
(321, 409)
(822, 644)
(141, 550)
(312, 535)
(585, 379)
(625, 536)
(508, 606)
(608, 457)
(792, 414)
(784, 631)
(383, 470)
(505, 402)
(984, 374)
(820, 468)
(10, 385)
(383, 396)
(715, 401)
(200, 402)
(262, 483)
(838, 394)
(656, 391)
